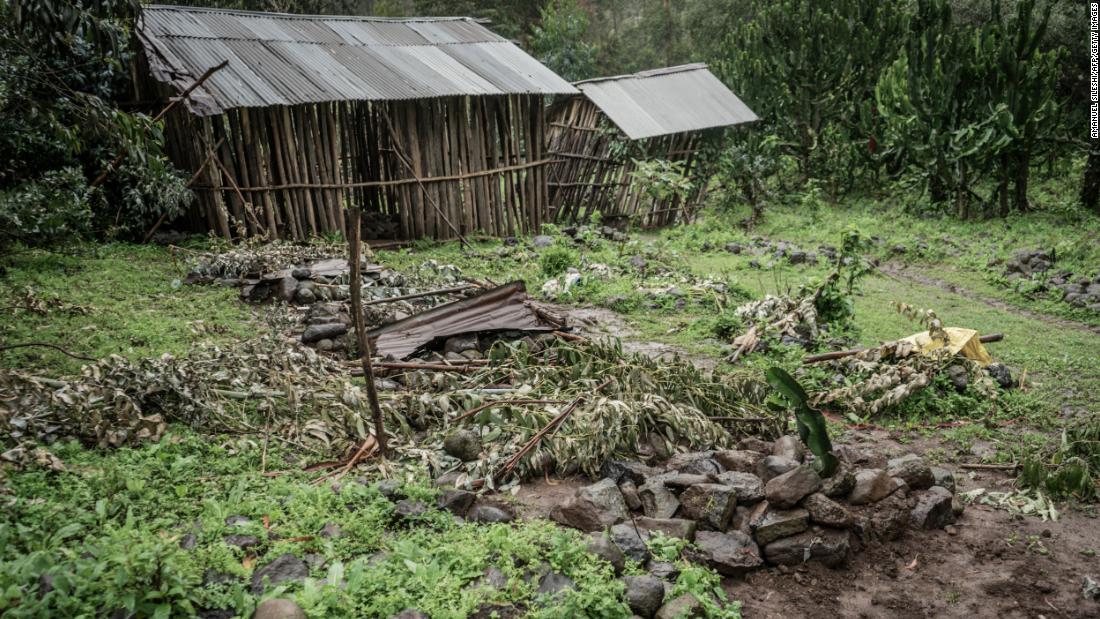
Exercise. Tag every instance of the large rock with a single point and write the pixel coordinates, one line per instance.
(871, 485)
(657, 500)
(789, 447)
(542, 241)
(628, 540)
(583, 514)
(602, 547)
(644, 594)
(682, 481)
(284, 568)
(748, 486)
(769, 524)
(694, 462)
(327, 331)
(885, 520)
(489, 514)
(711, 505)
(607, 495)
(409, 510)
(553, 584)
(826, 511)
(627, 470)
(672, 527)
(839, 484)
(463, 444)
(738, 460)
(774, 466)
(730, 554)
(933, 510)
(456, 501)
(911, 469)
(278, 608)
(830, 547)
(786, 490)
(686, 606)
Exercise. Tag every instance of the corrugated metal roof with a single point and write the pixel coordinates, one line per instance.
(283, 59)
(666, 101)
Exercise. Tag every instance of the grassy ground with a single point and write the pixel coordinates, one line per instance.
(107, 531)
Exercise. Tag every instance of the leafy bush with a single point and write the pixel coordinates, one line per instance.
(48, 210)
(557, 260)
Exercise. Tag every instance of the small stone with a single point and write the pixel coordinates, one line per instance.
(786, 490)
(644, 594)
(738, 460)
(327, 331)
(284, 568)
(959, 377)
(912, 470)
(888, 520)
(933, 510)
(774, 466)
(1001, 374)
(683, 461)
(602, 547)
(753, 443)
(305, 295)
(829, 547)
(278, 608)
(410, 613)
(943, 478)
(331, 530)
(789, 446)
(710, 504)
(626, 537)
(409, 510)
(627, 470)
(730, 554)
(237, 521)
(748, 487)
(840, 484)
(189, 541)
(682, 481)
(828, 512)
(489, 514)
(301, 273)
(630, 496)
(554, 583)
(459, 344)
(734, 248)
(491, 578)
(871, 485)
(456, 501)
(672, 527)
(638, 262)
(542, 241)
(390, 488)
(462, 444)
(686, 606)
(770, 524)
(664, 570)
(242, 541)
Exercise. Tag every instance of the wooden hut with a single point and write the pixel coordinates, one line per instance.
(433, 126)
(601, 134)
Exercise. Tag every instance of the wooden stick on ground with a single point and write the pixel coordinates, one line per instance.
(360, 332)
(45, 345)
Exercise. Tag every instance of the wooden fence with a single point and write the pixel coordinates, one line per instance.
(436, 168)
(597, 163)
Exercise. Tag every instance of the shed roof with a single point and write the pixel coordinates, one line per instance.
(665, 101)
(283, 59)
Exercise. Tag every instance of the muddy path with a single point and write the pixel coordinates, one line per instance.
(907, 273)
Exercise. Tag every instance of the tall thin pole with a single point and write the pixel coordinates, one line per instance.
(360, 332)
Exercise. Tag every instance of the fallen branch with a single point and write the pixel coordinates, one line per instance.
(840, 354)
(744, 419)
(477, 409)
(554, 423)
(45, 345)
(991, 467)
(360, 332)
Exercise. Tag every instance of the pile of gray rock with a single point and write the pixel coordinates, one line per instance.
(761, 505)
(1036, 265)
(777, 251)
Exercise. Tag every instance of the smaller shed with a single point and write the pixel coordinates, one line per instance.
(601, 134)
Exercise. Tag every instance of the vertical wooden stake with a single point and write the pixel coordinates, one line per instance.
(360, 332)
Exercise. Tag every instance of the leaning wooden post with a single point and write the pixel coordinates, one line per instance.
(360, 332)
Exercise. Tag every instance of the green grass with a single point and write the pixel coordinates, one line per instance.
(114, 300)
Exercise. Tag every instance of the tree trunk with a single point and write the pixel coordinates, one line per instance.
(1002, 188)
(962, 206)
(1022, 173)
(1090, 184)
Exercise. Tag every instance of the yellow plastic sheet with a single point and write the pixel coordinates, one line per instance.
(959, 341)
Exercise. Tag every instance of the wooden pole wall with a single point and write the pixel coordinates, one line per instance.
(434, 168)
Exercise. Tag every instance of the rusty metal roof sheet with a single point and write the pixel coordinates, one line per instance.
(283, 59)
(666, 101)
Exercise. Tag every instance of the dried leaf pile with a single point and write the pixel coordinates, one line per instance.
(255, 257)
(790, 318)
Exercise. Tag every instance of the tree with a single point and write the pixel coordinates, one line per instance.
(934, 116)
(808, 68)
(558, 40)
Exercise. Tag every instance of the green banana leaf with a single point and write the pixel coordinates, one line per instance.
(810, 422)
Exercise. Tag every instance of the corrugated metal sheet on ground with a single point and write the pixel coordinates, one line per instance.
(667, 101)
(280, 59)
